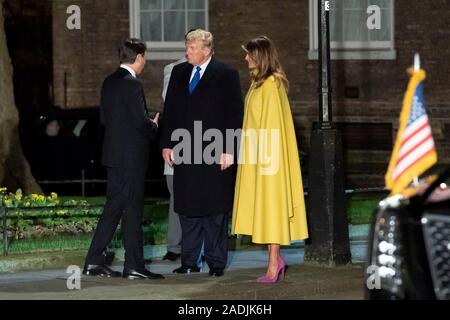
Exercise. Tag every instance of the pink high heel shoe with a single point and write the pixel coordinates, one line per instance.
(280, 272)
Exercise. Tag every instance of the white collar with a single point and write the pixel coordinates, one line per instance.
(133, 73)
(204, 65)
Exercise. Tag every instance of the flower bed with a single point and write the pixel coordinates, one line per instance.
(46, 223)
(37, 216)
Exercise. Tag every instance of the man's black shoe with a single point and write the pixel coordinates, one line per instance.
(184, 269)
(141, 274)
(216, 272)
(172, 256)
(100, 270)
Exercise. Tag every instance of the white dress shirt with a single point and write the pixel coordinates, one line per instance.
(129, 70)
(202, 71)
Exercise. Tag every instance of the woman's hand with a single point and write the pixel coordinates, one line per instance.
(226, 161)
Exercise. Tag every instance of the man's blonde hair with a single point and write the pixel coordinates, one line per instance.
(203, 35)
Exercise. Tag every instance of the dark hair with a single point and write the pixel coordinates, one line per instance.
(129, 49)
(263, 52)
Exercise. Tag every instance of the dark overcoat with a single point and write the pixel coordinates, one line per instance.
(201, 188)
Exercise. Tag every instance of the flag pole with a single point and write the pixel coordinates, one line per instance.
(412, 156)
(416, 69)
(416, 62)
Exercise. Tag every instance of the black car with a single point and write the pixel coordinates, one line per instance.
(64, 145)
(409, 245)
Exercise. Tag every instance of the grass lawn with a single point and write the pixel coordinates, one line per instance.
(360, 208)
(57, 243)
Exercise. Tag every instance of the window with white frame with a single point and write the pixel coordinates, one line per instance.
(162, 24)
(359, 29)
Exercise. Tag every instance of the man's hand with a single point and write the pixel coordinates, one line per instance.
(226, 160)
(155, 119)
(167, 155)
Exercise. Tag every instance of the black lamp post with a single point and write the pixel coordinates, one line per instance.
(324, 66)
(328, 243)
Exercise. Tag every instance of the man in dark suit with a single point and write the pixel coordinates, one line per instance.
(128, 130)
(203, 94)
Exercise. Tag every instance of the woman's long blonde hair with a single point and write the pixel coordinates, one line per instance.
(263, 52)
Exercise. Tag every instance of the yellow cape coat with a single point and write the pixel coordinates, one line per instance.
(269, 203)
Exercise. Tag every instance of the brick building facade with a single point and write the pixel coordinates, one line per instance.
(367, 94)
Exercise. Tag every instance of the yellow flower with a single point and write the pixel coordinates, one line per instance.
(34, 196)
(8, 202)
(27, 204)
(18, 197)
(3, 189)
(54, 195)
(41, 198)
(61, 212)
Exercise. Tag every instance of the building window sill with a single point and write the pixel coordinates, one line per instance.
(357, 55)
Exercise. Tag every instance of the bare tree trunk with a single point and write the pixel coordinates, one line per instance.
(14, 168)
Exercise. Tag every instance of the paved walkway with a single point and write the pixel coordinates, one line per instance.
(301, 282)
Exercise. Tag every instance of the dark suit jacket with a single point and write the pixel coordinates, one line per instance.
(128, 128)
(202, 189)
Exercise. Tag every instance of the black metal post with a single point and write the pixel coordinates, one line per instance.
(324, 66)
(328, 243)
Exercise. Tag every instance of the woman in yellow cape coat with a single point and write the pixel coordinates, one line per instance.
(269, 202)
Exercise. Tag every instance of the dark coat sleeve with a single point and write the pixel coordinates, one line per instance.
(138, 111)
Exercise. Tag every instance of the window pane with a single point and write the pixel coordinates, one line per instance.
(336, 23)
(355, 28)
(196, 4)
(150, 4)
(151, 26)
(174, 4)
(355, 4)
(333, 5)
(336, 5)
(174, 28)
(348, 25)
(384, 34)
(384, 4)
(196, 20)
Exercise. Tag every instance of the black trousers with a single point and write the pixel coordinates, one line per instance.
(125, 201)
(213, 231)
